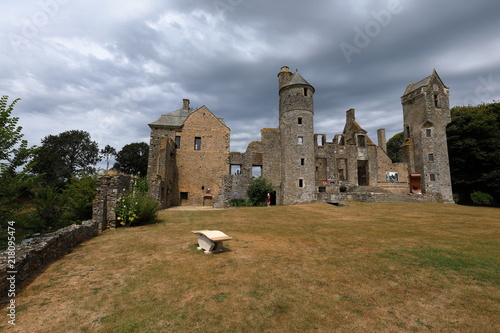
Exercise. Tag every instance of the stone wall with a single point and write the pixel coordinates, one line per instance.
(110, 187)
(34, 254)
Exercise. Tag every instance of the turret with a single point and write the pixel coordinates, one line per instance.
(296, 124)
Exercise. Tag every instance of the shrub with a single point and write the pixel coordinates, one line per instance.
(136, 207)
(481, 198)
(257, 191)
(240, 202)
(80, 195)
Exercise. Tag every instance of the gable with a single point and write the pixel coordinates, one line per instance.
(204, 118)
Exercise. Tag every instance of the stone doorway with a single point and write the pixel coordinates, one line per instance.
(363, 179)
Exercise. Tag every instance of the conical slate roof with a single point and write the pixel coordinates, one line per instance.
(297, 79)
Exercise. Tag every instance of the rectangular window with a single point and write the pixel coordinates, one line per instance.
(302, 161)
(428, 132)
(436, 101)
(322, 189)
(197, 143)
(256, 170)
(432, 177)
(184, 195)
(300, 140)
(299, 120)
(177, 142)
(235, 169)
(361, 141)
(301, 182)
(431, 157)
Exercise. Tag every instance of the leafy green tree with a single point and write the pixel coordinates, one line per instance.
(133, 159)
(60, 157)
(14, 152)
(474, 151)
(257, 191)
(395, 146)
(107, 153)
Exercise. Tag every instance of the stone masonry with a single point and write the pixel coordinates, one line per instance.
(190, 162)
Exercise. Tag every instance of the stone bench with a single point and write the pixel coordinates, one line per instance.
(211, 240)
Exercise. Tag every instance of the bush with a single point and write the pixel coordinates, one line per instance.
(240, 202)
(80, 195)
(481, 198)
(257, 191)
(136, 207)
(49, 207)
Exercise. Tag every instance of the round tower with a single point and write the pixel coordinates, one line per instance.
(296, 124)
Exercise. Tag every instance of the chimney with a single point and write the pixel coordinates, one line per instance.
(382, 142)
(350, 117)
(185, 104)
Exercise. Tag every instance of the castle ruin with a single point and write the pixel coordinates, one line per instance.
(190, 162)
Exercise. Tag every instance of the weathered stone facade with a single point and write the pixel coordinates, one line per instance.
(189, 155)
(303, 166)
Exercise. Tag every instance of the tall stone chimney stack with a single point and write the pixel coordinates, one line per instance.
(185, 104)
(382, 142)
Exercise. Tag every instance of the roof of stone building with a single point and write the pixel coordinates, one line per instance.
(297, 79)
(422, 83)
(176, 118)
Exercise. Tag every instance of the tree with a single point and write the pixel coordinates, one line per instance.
(68, 154)
(133, 159)
(14, 150)
(107, 153)
(474, 151)
(14, 153)
(257, 191)
(394, 147)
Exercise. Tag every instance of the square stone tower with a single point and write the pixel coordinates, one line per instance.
(426, 113)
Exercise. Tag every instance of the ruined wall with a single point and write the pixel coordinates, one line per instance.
(110, 187)
(34, 254)
(163, 186)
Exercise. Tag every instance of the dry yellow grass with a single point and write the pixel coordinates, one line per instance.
(308, 268)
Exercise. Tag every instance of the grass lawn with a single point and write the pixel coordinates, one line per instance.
(368, 267)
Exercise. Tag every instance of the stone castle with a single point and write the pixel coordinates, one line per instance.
(190, 162)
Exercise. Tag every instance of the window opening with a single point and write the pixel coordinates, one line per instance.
(299, 120)
(301, 182)
(197, 143)
(235, 169)
(256, 170)
(300, 140)
(302, 161)
(177, 142)
(428, 132)
(431, 157)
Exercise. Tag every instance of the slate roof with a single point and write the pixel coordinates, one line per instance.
(297, 79)
(176, 118)
(422, 83)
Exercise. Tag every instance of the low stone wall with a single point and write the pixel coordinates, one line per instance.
(380, 197)
(34, 254)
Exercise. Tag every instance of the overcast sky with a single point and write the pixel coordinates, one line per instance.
(110, 67)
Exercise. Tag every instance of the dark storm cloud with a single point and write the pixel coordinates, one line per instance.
(111, 67)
